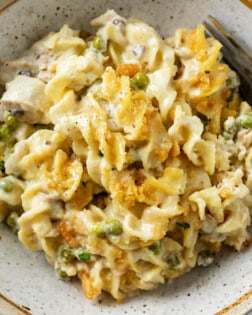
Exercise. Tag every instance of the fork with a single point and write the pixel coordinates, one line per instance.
(237, 58)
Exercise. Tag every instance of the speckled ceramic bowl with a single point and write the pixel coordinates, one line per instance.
(25, 277)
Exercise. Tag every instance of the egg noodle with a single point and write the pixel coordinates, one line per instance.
(125, 157)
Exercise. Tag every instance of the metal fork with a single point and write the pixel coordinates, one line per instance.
(237, 58)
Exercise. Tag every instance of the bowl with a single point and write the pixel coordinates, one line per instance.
(25, 277)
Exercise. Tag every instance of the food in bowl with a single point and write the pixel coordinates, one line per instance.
(125, 157)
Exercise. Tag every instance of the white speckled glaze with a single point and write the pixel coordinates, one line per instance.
(25, 277)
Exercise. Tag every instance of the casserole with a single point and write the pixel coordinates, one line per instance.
(13, 41)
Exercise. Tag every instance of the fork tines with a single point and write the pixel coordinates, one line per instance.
(238, 59)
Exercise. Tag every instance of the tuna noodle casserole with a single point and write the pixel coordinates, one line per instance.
(125, 157)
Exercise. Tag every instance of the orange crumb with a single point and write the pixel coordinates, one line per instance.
(87, 286)
(67, 235)
(128, 70)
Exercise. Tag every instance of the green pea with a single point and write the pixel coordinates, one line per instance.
(155, 248)
(67, 254)
(114, 227)
(139, 81)
(11, 121)
(246, 120)
(98, 42)
(2, 166)
(173, 262)
(5, 132)
(6, 185)
(62, 274)
(11, 220)
(99, 230)
(84, 256)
